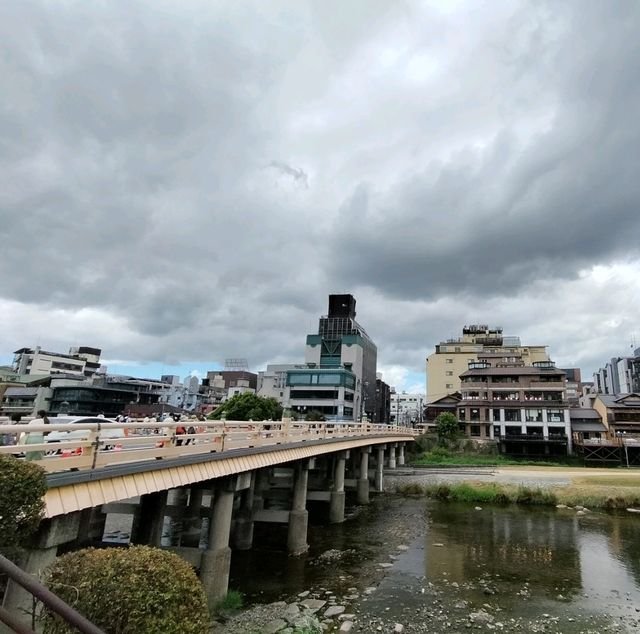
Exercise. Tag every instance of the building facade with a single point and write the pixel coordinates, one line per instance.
(477, 343)
(82, 361)
(621, 375)
(343, 343)
(525, 408)
(407, 409)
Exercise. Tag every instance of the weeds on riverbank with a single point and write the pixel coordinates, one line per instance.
(443, 456)
(476, 492)
(232, 602)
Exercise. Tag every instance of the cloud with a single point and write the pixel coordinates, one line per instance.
(464, 163)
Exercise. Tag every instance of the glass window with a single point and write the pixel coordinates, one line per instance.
(496, 414)
(512, 415)
(449, 373)
(449, 361)
(475, 430)
(533, 415)
(329, 379)
(449, 386)
(555, 415)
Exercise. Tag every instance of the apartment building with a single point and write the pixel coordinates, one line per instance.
(81, 360)
(407, 409)
(523, 407)
(477, 343)
(621, 375)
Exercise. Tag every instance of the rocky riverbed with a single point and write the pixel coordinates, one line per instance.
(411, 565)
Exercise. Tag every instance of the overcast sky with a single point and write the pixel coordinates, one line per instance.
(182, 182)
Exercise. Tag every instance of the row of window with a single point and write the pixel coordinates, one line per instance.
(530, 415)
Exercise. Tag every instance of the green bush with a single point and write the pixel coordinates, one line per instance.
(233, 601)
(129, 591)
(22, 489)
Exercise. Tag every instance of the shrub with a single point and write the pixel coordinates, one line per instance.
(129, 591)
(233, 601)
(22, 488)
(447, 426)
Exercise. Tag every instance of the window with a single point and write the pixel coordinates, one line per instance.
(533, 415)
(512, 415)
(449, 373)
(457, 349)
(555, 416)
(461, 414)
(496, 431)
(449, 360)
(449, 386)
(475, 414)
(496, 414)
(475, 430)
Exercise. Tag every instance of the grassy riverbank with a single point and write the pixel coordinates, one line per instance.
(590, 496)
(445, 458)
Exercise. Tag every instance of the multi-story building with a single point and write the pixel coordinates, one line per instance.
(328, 391)
(81, 360)
(523, 407)
(477, 343)
(343, 343)
(231, 378)
(620, 413)
(383, 401)
(621, 375)
(406, 409)
(272, 382)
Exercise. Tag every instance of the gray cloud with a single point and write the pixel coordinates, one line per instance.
(464, 164)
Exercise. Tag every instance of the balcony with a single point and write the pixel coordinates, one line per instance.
(555, 438)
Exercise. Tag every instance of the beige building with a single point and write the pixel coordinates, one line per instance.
(477, 343)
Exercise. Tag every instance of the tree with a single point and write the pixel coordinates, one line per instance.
(315, 415)
(447, 426)
(128, 591)
(22, 488)
(248, 406)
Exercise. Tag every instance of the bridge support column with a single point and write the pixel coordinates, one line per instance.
(148, 519)
(51, 534)
(299, 516)
(401, 454)
(243, 525)
(392, 455)
(336, 501)
(379, 479)
(216, 560)
(363, 477)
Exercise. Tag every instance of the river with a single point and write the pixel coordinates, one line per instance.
(444, 567)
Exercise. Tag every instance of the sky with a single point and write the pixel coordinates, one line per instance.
(185, 182)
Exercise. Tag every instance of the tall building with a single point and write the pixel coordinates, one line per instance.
(477, 343)
(406, 409)
(621, 375)
(342, 342)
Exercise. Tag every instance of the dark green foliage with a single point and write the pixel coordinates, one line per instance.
(22, 488)
(129, 591)
(232, 602)
(248, 406)
(447, 426)
(314, 415)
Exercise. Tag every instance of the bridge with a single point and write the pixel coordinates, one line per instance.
(218, 481)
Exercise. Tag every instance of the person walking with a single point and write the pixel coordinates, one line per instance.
(36, 437)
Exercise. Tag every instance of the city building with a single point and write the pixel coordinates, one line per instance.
(621, 375)
(234, 378)
(272, 382)
(574, 385)
(383, 401)
(524, 407)
(342, 342)
(477, 343)
(327, 391)
(448, 404)
(620, 413)
(407, 409)
(81, 360)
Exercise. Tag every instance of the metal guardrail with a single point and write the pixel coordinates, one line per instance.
(105, 444)
(51, 600)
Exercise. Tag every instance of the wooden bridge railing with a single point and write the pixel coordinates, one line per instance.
(101, 444)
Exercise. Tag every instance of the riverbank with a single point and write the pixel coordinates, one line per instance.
(588, 496)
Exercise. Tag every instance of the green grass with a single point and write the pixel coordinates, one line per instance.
(482, 493)
(441, 456)
(232, 602)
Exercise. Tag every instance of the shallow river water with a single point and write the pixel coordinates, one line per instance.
(444, 567)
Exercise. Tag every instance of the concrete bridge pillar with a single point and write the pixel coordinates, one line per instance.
(336, 500)
(363, 477)
(42, 553)
(148, 519)
(299, 516)
(379, 478)
(401, 454)
(216, 560)
(392, 455)
(243, 525)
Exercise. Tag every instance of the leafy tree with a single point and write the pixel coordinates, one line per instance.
(447, 426)
(22, 488)
(128, 591)
(248, 406)
(314, 415)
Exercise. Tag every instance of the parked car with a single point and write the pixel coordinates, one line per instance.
(76, 432)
